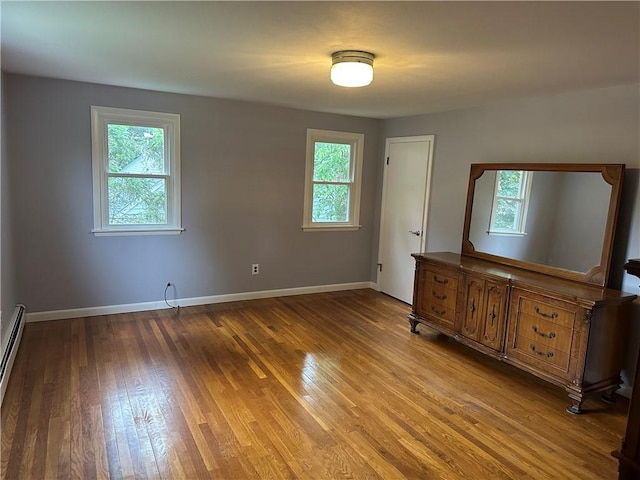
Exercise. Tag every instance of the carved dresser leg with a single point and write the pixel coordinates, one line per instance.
(414, 326)
(576, 408)
(608, 397)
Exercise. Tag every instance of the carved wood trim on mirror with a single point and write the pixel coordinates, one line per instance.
(570, 222)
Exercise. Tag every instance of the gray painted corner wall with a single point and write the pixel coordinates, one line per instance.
(7, 282)
(242, 195)
(594, 126)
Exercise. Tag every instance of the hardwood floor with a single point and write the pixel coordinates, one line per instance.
(313, 387)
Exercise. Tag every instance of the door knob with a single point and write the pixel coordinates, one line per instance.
(417, 233)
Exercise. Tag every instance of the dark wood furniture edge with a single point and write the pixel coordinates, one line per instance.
(628, 454)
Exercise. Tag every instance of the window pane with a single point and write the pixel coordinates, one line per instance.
(330, 203)
(137, 201)
(134, 149)
(507, 215)
(509, 183)
(331, 162)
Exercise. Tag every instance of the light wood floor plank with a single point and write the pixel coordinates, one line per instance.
(324, 386)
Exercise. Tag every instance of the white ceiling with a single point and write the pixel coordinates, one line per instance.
(430, 56)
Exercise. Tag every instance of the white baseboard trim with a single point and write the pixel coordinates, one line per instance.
(190, 302)
(625, 391)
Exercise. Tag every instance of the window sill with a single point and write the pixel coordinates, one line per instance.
(331, 228)
(140, 231)
(507, 234)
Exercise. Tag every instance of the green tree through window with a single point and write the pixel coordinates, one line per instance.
(331, 179)
(136, 200)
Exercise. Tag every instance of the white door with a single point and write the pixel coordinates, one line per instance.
(405, 194)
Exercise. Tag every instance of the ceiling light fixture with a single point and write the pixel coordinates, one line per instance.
(352, 68)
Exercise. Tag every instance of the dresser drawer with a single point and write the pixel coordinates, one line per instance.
(543, 353)
(543, 332)
(549, 310)
(442, 280)
(443, 312)
(439, 295)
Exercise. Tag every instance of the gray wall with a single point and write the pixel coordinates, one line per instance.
(9, 298)
(582, 229)
(595, 126)
(242, 196)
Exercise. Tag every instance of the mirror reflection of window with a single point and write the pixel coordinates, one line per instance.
(568, 215)
(510, 202)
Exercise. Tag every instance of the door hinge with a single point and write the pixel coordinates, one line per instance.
(379, 267)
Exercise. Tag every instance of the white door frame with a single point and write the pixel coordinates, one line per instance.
(427, 192)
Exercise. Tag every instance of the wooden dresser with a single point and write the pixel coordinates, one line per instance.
(569, 333)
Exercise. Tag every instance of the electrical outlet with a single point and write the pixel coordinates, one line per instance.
(255, 269)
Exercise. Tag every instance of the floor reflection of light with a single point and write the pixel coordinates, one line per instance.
(309, 369)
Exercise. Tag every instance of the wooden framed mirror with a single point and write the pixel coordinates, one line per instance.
(556, 219)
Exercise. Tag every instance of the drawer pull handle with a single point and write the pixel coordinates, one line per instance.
(439, 297)
(546, 315)
(441, 282)
(492, 315)
(542, 354)
(437, 312)
(542, 334)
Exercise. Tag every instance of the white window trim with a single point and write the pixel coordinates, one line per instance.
(356, 140)
(100, 118)
(524, 207)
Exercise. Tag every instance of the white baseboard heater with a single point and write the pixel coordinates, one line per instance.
(10, 349)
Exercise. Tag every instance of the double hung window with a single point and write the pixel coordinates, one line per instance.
(136, 171)
(333, 178)
(510, 202)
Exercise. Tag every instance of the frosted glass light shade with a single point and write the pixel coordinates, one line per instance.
(352, 68)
